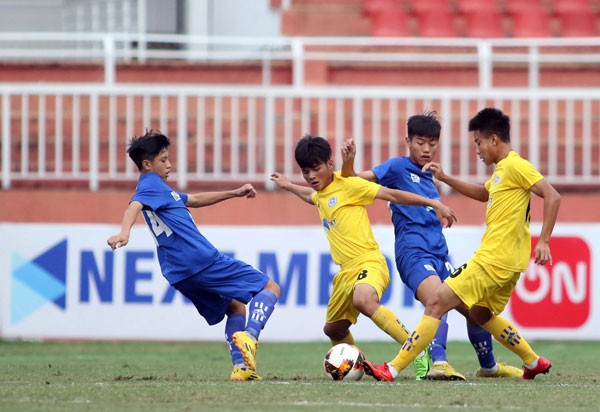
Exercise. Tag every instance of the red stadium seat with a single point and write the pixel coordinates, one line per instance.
(559, 6)
(375, 6)
(465, 6)
(390, 23)
(437, 23)
(577, 24)
(513, 6)
(484, 24)
(531, 23)
(422, 6)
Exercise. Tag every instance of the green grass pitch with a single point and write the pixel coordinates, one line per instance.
(194, 376)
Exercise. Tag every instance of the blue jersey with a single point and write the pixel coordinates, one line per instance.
(182, 250)
(416, 228)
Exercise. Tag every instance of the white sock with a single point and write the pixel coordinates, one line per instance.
(493, 369)
(533, 365)
(393, 370)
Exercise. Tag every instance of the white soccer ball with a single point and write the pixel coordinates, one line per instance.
(344, 362)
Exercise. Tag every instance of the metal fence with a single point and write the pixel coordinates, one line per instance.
(486, 56)
(78, 133)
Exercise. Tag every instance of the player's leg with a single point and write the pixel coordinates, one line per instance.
(341, 314)
(213, 307)
(481, 339)
(236, 322)
(505, 331)
(423, 274)
(242, 282)
(371, 278)
(339, 332)
(443, 301)
(261, 308)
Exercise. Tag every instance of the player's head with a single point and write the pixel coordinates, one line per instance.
(313, 155)
(491, 121)
(491, 134)
(423, 137)
(150, 153)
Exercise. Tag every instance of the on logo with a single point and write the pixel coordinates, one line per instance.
(556, 296)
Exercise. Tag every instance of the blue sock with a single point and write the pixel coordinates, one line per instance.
(481, 340)
(261, 308)
(235, 323)
(438, 344)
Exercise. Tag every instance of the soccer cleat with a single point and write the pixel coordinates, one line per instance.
(504, 371)
(543, 366)
(444, 372)
(244, 374)
(421, 364)
(247, 346)
(378, 372)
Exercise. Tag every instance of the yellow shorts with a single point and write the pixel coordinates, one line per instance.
(483, 285)
(371, 269)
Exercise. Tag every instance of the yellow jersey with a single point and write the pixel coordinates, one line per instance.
(342, 208)
(506, 242)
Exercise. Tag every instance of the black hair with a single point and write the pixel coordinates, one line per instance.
(147, 147)
(491, 121)
(424, 125)
(312, 151)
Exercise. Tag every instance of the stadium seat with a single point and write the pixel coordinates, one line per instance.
(559, 6)
(512, 6)
(465, 6)
(577, 24)
(530, 23)
(374, 6)
(437, 23)
(422, 6)
(483, 23)
(390, 23)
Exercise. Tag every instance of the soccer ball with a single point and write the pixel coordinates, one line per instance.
(344, 362)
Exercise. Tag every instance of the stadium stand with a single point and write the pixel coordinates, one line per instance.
(530, 22)
(483, 23)
(436, 23)
(393, 22)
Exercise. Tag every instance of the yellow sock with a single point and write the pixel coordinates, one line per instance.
(507, 334)
(349, 339)
(389, 323)
(418, 340)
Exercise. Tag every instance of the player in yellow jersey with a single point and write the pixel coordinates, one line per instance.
(485, 283)
(363, 275)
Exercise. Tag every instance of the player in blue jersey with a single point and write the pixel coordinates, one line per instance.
(420, 246)
(216, 284)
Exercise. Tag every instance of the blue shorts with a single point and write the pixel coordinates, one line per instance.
(213, 289)
(415, 267)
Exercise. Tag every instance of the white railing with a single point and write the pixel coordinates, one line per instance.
(487, 56)
(78, 132)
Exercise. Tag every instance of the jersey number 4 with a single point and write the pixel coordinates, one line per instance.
(157, 225)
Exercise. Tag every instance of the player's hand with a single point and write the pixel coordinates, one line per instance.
(542, 253)
(446, 215)
(280, 180)
(117, 241)
(348, 150)
(247, 190)
(435, 169)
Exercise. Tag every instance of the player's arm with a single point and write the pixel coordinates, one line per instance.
(122, 238)
(551, 198)
(210, 198)
(348, 155)
(303, 192)
(472, 190)
(446, 215)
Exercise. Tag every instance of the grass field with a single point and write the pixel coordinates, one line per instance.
(150, 376)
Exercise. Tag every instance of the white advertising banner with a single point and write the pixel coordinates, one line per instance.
(61, 281)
